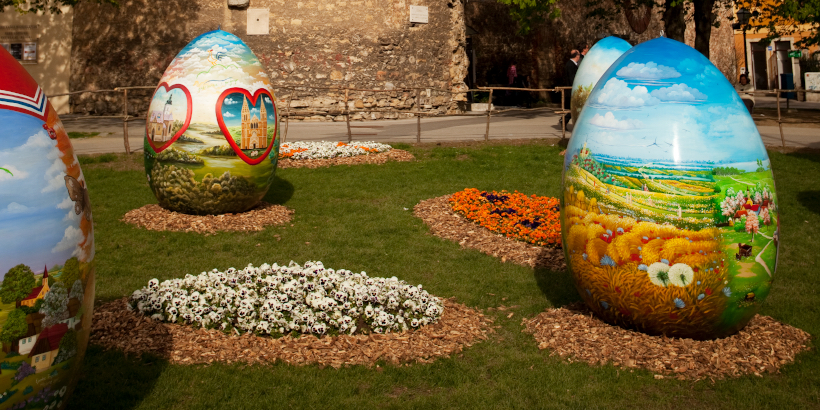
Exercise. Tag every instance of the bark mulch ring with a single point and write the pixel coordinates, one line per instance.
(379, 158)
(764, 345)
(114, 327)
(156, 218)
(446, 223)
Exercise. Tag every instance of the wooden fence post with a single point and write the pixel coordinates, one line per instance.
(125, 121)
(418, 116)
(489, 110)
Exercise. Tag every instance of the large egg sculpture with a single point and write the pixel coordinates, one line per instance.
(211, 134)
(592, 67)
(47, 251)
(670, 218)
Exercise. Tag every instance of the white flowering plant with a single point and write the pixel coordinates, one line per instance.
(278, 300)
(325, 149)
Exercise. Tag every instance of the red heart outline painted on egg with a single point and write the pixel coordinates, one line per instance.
(253, 99)
(184, 126)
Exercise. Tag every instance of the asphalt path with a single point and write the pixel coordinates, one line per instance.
(518, 124)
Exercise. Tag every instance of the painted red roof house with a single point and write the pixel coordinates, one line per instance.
(47, 346)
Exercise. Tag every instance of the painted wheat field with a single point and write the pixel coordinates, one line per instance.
(669, 248)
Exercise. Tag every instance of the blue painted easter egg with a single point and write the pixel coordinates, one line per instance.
(592, 67)
(670, 218)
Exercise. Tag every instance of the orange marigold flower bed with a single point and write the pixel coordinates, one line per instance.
(533, 219)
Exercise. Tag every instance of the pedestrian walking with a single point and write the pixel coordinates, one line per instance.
(570, 69)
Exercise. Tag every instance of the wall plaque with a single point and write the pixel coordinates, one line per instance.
(258, 22)
(419, 14)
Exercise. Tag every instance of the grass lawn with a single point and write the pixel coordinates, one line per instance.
(360, 218)
(76, 134)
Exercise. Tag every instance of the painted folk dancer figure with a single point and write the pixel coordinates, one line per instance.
(569, 76)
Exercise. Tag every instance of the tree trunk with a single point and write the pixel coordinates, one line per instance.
(703, 17)
(674, 26)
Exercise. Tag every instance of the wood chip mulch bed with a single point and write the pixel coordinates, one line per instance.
(379, 158)
(114, 327)
(156, 218)
(764, 345)
(446, 223)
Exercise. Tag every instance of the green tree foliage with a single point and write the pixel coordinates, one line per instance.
(53, 6)
(786, 17)
(71, 271)
(33, 309)
(726, 171)
(68, 347)
(14, 327)
(17, 284)
(530, 13)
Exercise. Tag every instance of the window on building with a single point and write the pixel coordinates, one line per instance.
(37, 359)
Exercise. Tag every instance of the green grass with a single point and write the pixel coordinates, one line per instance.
(97, 159)
(76, 134)
(354, 218)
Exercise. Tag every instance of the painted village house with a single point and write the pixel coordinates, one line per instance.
(38, 292)
(47, 347)
(159, 125)
(29, 339)
(254, 130)
(26, 343)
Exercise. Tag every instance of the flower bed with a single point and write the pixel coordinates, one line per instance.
(533, 219)
(279, 300)
(325, 149)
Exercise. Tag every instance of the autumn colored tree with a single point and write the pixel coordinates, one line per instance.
(17, 284)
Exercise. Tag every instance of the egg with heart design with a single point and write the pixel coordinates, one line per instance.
(47, 252)
(211, 133)
(666, 154)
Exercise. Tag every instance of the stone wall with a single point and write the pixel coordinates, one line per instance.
(363, 44)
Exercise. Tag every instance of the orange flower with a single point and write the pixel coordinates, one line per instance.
(533, 219)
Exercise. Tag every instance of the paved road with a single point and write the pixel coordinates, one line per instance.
(510, 125)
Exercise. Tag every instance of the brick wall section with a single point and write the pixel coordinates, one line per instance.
(367, 44)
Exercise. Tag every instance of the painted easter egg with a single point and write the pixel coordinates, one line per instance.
(670, 218)
(592, 67)
(211, 134)
(47, 253)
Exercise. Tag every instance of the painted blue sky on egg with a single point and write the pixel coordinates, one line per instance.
(232, 109)
(598, 59)
(37, 220)
(663, 100)
(212, 63)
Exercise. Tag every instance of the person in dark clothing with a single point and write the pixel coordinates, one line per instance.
(583, 48)
(570, 69)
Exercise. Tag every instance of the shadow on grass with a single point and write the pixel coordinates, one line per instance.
(110, 380)
(557, 286)
(810, 199)
(280, 192)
